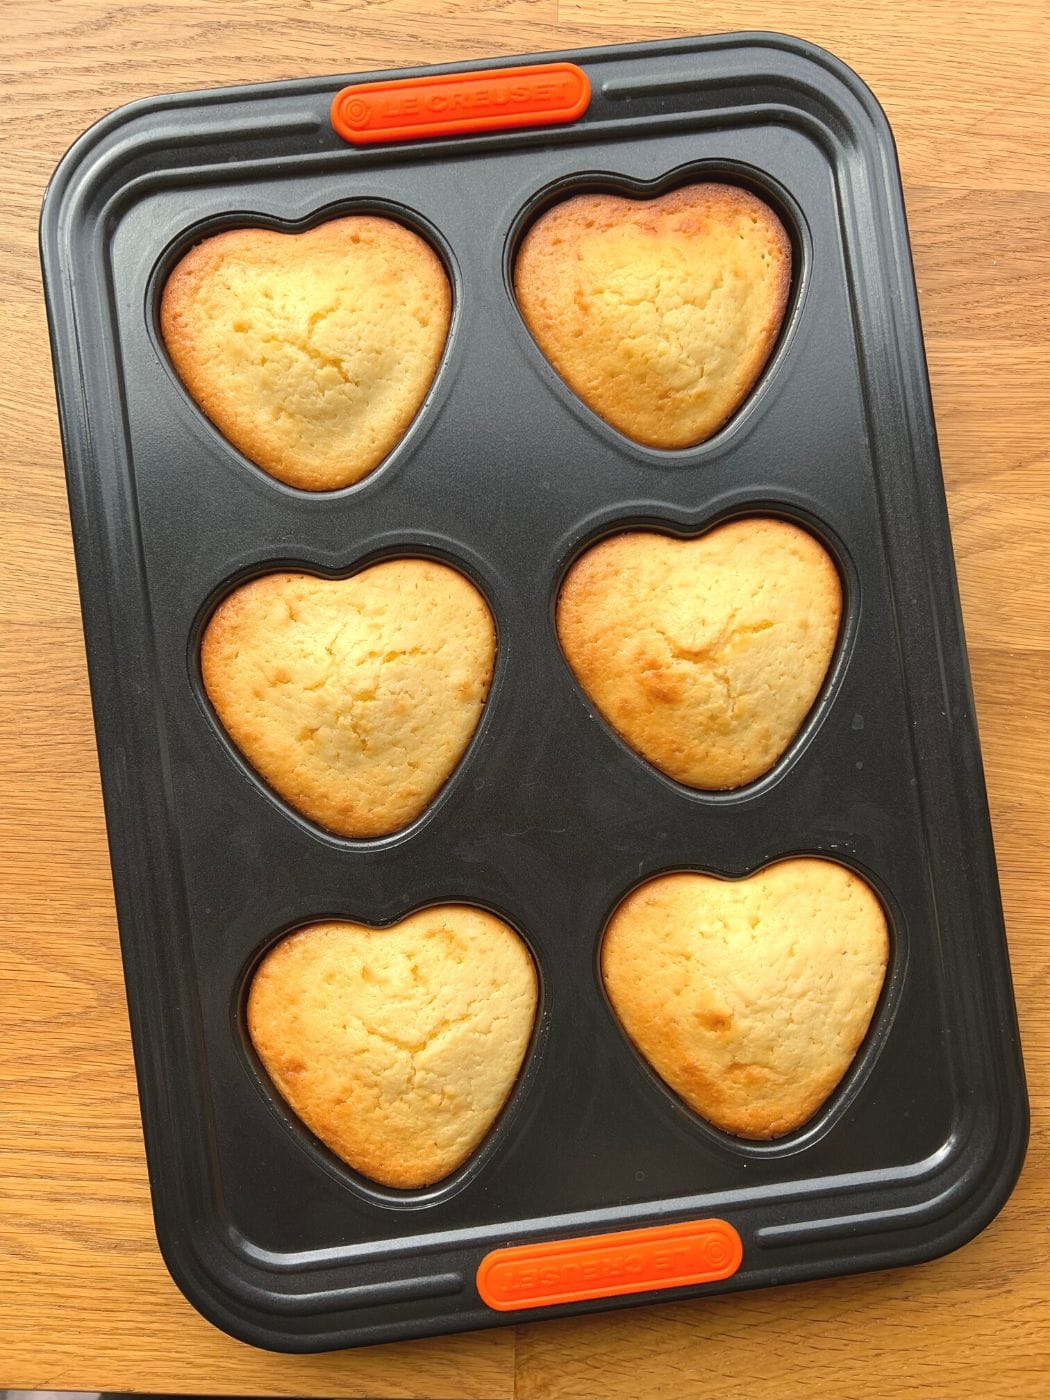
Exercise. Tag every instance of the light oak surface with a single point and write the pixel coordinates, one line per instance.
(85, 1302)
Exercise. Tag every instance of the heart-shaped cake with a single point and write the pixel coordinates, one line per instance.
(659, 313)
(311, 352)
(354, 698)
(704, 654)
(749, 997)
(397, 1046)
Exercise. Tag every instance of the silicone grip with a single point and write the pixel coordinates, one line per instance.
(602, 1266)
(453, 104)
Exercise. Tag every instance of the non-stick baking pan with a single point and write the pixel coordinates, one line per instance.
(549, 820)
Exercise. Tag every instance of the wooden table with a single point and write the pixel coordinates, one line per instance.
(85, 1302)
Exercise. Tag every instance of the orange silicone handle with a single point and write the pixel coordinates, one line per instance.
(603, 1266)
(451, 104)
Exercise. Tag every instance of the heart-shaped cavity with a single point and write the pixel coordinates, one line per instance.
(397, 1046)
(659, 313)
(749, 997)
(704, 654)
(311, 352)
(354, 698)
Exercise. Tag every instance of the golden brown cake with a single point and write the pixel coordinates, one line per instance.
(659, 313)
(397, 1046)
(312, 352)
(704, 654)
(749, 997)
(354, 698)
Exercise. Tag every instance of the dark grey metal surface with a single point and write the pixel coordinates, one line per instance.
(549, 820)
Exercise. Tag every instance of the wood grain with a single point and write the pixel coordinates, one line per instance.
(85, 1302)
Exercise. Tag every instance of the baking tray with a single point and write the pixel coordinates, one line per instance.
(550, 820)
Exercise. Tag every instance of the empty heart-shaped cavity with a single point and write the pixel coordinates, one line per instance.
(704, 654)
(658, 313)
(749, 997)
(353, 698)
(396, 1046)
(311, 352)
